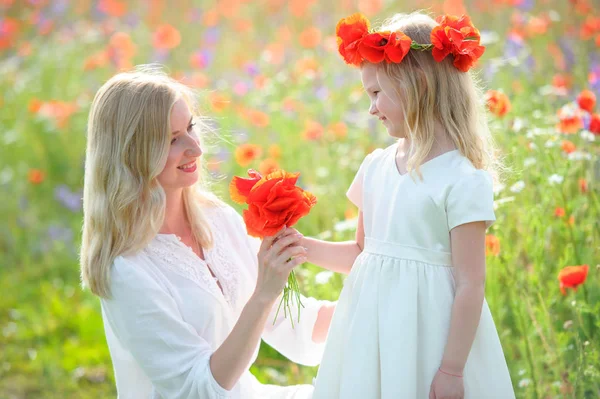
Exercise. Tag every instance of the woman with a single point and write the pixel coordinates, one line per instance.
(186, 295)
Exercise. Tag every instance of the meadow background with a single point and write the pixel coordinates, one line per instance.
(278, 95)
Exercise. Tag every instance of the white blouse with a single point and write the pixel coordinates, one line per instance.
(167, 315)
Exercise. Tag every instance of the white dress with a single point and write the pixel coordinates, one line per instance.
(167, 316)
(390, 326)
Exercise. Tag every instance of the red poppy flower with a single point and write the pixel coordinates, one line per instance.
(273, 201)
(497, 103)
(586, 100)
(572, 277)
(349, 32)
(595, 124)
(456, 36)
(388, 46)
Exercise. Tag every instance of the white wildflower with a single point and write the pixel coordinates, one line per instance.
(322, 172)
(554, 15)
(346, 225)
(323, 277)
(587, 136)
(579, 155)
(555, 179)
(567, 324)
(498, 188)
(524, 382)
(325, 235)
(518, 186)
(518, 125)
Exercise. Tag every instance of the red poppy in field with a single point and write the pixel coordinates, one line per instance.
(114, 8)
(267, 166)
(258, 118)
(246, 153)
(497, 103)
(570, 119)
(572, 277)
(595, 124)
(492, 245)
(567, 146)
(36, 176)
(586, 100)
(338, 130)
(219, 101)
(274, 151)
(313, 131)
(166, 37)
(8, 33)
(583, 185)
(310, 37)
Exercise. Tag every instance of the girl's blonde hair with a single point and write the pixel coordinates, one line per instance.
(127, 147)
(437, 91)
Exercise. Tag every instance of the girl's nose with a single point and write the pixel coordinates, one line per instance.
(373, 109)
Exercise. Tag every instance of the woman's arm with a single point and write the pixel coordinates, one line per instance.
(232, 358)
(468, 259)
(323, 322)
(302, 343)
(336, 256)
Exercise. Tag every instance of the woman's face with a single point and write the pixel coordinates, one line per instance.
(181, 169)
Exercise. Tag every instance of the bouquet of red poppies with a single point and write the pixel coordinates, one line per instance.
(273, 201)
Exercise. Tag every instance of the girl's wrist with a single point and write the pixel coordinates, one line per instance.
(450, 373)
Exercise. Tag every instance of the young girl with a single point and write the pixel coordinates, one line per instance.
(412, 321)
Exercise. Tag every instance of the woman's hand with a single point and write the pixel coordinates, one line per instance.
(445, 386)
(277, 256)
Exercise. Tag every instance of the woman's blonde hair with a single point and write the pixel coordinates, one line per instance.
(128, 138)
(437, 91)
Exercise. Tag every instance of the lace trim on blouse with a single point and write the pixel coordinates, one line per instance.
(181, 259)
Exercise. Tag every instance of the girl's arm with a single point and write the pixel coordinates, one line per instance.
(468, 259)
(336, 256)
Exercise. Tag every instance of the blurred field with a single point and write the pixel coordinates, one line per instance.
(278, 94)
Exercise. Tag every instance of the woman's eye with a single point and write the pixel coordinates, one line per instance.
(191, 126)
(173, 140)
(375, 92)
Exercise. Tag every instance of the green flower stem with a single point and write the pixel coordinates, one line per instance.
(291, 293)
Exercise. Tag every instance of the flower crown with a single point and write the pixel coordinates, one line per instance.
(453, 35)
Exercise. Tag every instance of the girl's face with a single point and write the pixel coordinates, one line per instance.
(382, 106)
(181, 169)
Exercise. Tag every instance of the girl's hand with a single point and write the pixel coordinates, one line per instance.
(277, 256)
(446, 386)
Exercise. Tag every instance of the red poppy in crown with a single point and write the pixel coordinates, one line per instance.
(454, 36)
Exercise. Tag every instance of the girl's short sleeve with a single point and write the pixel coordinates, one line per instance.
(471, 199)
(355, 192)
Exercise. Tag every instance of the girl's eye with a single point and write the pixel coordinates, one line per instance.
(375, 92)
(174, 138)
